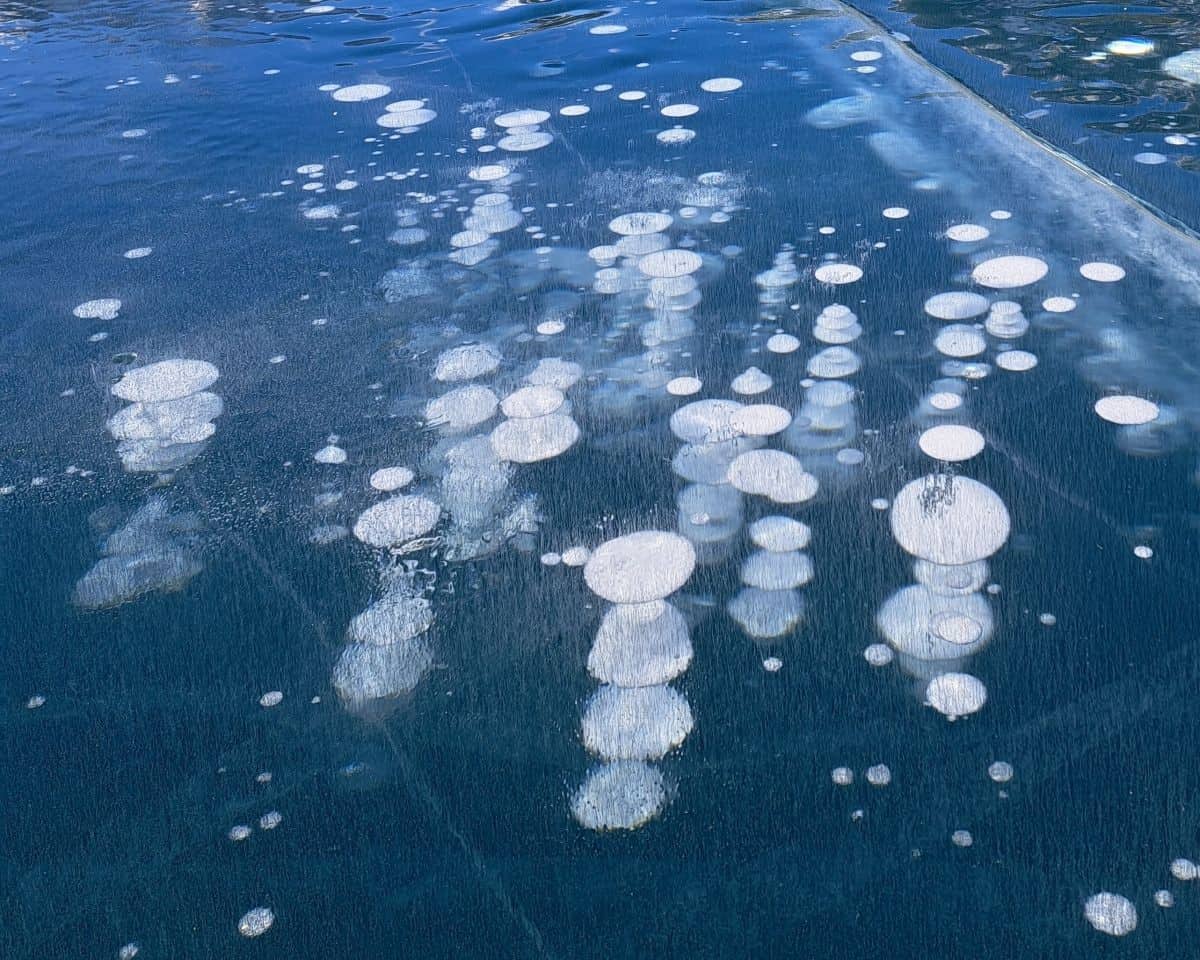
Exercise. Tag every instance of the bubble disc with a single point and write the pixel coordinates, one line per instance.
(638, 224)
(949, 520)
(838, 273)
(639, 567)
(951, 443)
(165, 380)
(1006, 273)
(522, 118)
(1110, 913)
(1126, 410)
(622, 795)
(670, 263)
(956, 694)
(635, 723)
(360, 92)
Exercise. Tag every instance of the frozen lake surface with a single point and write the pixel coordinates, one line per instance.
(694, 479)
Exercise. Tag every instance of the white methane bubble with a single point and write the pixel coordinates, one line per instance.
(531, 439)
(106, 308)
(779, 534)
(165, 380)
(640, 644)
(768, 570)
(930, 626)
(721, 85)
(387, 479)
(330, 454)
(154, 551)
(1016, 361)
(750, 382)
(1184, 66)
(773, 474)
(532, 401)
(462, 409)
(169, 417)
(366, 673)
(256, 922)
(956, 305)
(621, 795)
(1100, 272)
(1111, 913)
(396, 521)
(1126, 410)
(838, 273)
(967, 233)
(635, 723)
(360, 92)
(1006, 273)
(466, 363)
(639, 567)
(949, 520)
(951, 443)
(956, 695)
(766, 614)
(960, 341)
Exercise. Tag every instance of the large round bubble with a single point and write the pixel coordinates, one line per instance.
(638, 567)
(949, 520)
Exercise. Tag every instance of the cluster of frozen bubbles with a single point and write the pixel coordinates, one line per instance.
(951, 524)
(165, 425)
(643, 643)
(467, 477)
